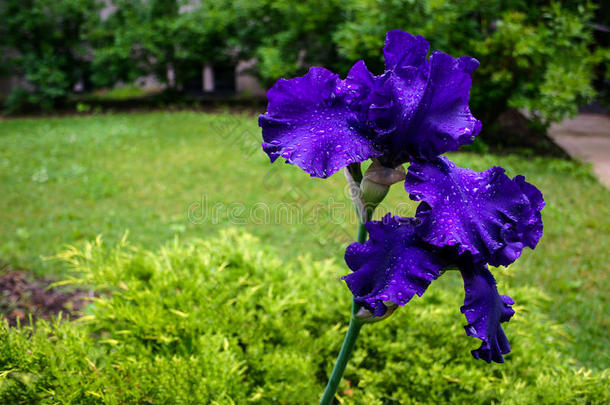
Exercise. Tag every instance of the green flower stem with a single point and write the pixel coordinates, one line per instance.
(344, 355)
(348, 344)
(362, 233)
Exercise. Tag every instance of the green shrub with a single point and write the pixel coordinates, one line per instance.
(538, 56)
(142, 37)
(226, 321)
(42, 41)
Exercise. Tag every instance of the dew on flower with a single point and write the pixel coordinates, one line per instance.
(414, 112)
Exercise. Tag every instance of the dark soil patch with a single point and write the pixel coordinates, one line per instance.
(21, 296)
(514, 133)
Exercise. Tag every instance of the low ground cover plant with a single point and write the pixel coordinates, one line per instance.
(224, 321)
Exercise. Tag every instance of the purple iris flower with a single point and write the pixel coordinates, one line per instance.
(417, 109)
(413, 112)
(395, 264)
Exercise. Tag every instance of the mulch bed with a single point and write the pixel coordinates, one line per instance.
(22, 296)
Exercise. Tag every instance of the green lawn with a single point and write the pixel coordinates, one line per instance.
(157, 175)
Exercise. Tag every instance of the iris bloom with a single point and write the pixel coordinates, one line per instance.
(417, 109)
(412, 113)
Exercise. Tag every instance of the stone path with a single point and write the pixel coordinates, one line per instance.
(586, 137)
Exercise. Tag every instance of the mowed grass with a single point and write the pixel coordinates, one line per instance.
(157, 175)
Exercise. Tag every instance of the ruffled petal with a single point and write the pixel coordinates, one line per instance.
(367, 95)
(309, 124)
(485, 310)
(359, 85)
(403, 49)
(442, 120)
(445, 119)
(404, 90)
(393, 265)
(485, 214)
(531, 229)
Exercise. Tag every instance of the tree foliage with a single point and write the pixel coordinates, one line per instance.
(541, 56)
(535, 56)
(42, 41)
(151, 37)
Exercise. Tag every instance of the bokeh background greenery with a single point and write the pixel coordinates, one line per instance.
(544, 56)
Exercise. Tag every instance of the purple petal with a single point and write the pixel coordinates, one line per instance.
(368, 96)
(531, 229)
(485, 310)
(445, 114)
(404, 90)
(486, 214)
(393, 265)
(359, 84)
(403, 49)
(442, 120)
(310, 125)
